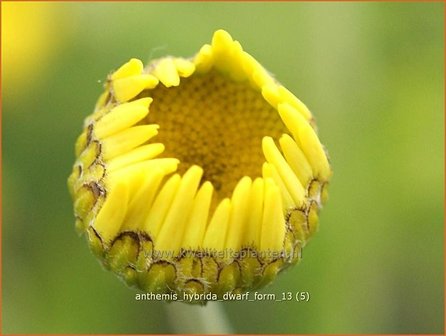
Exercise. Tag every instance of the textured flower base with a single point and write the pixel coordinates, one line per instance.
(179, 183)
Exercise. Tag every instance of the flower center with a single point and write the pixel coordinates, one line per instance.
(217, 123)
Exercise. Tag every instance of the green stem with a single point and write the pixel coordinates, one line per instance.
(194, 319)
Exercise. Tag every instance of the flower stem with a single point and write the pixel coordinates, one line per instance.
(194, 319)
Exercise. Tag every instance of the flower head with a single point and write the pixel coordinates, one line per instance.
(200, 175)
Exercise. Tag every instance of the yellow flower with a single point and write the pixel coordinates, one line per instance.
(179, 182)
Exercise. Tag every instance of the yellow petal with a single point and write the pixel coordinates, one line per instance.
(269, 170)
(226, 53)
(184, 67)
(109, 220)
(166, 72)
(131, 68)
(237, 72)
(296, 159)
(161, 205)
(127, 88)
(121, 117)
(315, 153)
(290, 180)
(288, 97)
(166, 165)
(142, 198)
(127, 140)
(222, 44)
(198, 219)
(305, 135)
(255, 218)
(214, 239)
(239, 214)
(203, 60)
(174, 226)
(264, 80)
(136, 155)
(221, 40)
(249, 63)
(270, 91)
(273, 226)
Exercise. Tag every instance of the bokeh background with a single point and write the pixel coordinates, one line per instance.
(373, 75)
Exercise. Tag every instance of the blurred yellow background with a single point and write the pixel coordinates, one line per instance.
(372, 74)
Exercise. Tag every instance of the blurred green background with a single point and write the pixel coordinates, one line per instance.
(373, 75)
